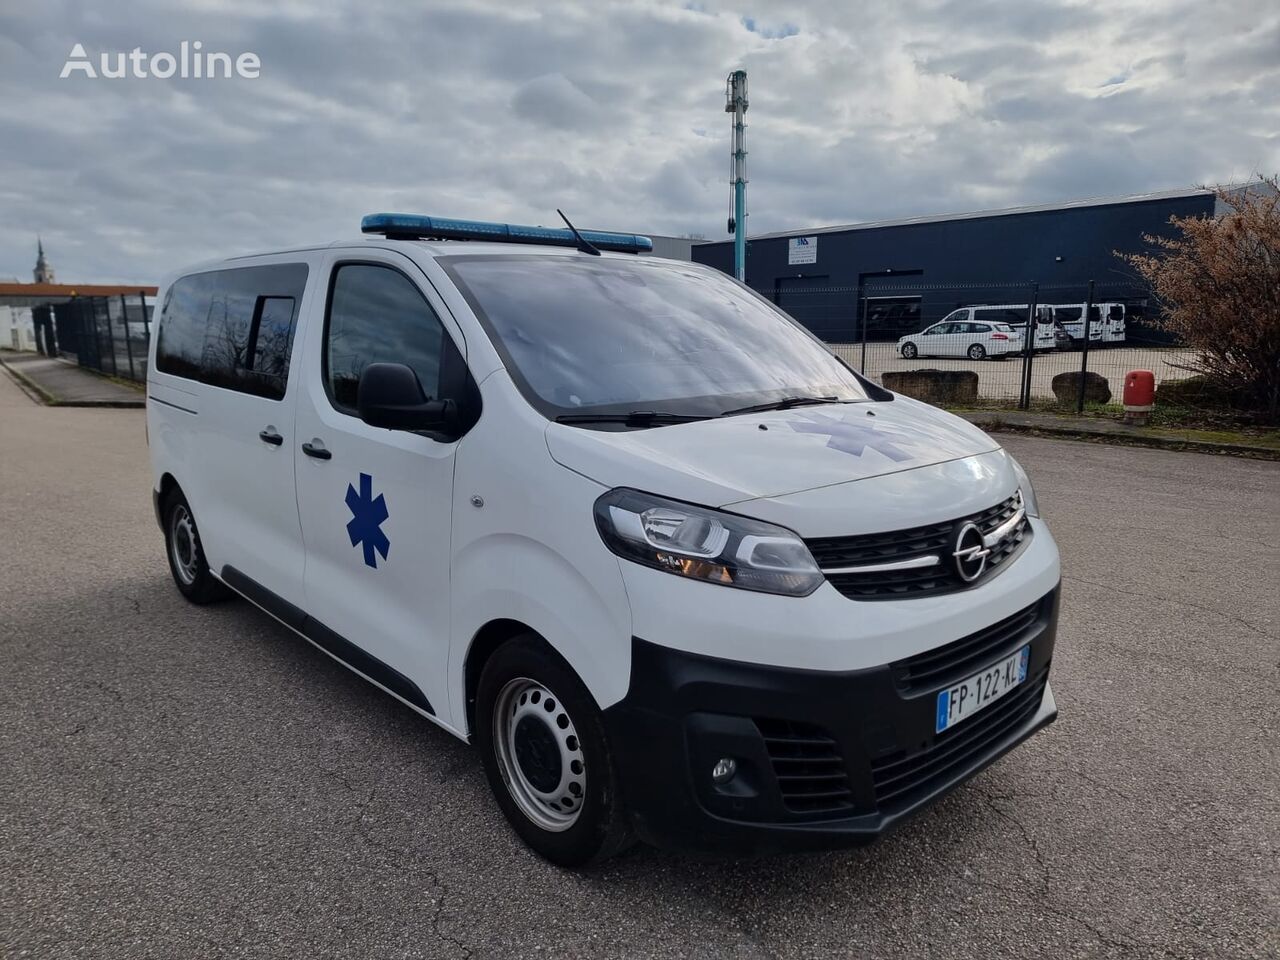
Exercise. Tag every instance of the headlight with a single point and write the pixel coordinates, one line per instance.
(1028, 491)
(705, 544)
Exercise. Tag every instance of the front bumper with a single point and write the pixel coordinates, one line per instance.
(824, 758)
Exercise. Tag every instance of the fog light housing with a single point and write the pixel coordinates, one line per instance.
(724, 770)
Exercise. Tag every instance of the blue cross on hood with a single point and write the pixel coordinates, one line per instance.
(853, 436)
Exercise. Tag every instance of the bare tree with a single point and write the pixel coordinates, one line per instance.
(1219, 285)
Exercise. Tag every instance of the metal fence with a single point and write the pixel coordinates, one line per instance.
(1102, 330)
(107, 334)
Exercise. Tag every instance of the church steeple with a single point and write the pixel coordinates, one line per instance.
(43, 273)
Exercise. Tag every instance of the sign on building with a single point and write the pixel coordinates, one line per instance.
(802, 250)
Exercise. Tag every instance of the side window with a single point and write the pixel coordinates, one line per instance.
(180, 343)
(979, 328)
(377, 315)
(226, 357)
(273, 338)
(233, 328)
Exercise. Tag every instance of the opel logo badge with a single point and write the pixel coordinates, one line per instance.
(969, 551)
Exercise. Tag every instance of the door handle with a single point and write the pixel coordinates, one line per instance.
(316, 450)
(270, 436)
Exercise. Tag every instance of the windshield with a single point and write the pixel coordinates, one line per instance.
(602, 334)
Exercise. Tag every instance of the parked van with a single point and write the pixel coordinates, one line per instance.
(1070, 319)
(1112, 317)
(674, 569)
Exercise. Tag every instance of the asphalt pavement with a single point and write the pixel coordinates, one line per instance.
(197, 782)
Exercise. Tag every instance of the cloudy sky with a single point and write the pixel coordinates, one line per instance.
(507, 110)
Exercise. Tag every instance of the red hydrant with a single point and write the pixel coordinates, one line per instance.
(1139, 396)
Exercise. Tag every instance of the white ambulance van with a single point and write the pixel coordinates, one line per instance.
(676, 571)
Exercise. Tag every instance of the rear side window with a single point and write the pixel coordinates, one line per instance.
(979, 328)
(377, 315)
(233, 328)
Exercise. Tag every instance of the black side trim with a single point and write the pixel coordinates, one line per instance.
(333, 643)
(273, 603)
(174, 405)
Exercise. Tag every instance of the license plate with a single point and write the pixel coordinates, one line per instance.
(964, 699)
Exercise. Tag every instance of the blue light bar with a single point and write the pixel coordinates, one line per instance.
(408, 226)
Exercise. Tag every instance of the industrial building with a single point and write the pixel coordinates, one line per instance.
(904, 274)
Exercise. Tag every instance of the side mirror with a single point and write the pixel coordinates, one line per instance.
(390, 396)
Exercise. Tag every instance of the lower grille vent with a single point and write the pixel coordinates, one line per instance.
(808, 766)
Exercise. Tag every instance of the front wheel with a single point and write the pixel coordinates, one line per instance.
(542, 740)
(977, 352)
(909, 351)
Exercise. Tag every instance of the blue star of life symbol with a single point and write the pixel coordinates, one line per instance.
(365, 525)
(853, 437)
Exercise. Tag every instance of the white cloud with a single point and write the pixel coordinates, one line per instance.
(614, 111)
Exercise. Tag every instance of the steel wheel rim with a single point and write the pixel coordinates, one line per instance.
(539, 754)
(182, 544)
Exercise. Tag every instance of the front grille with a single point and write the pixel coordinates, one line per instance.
(943, 666)
(898, 778)
(808, 766)
(902, 545)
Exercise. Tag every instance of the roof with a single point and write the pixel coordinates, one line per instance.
(980, 214)
(60, 291)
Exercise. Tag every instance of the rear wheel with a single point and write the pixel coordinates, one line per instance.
(542, 741)
(909, 351)
(187, 563)
(977, 352)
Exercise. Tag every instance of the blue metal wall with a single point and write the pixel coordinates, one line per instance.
(950, 263)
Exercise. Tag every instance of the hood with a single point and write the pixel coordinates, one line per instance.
(726, 460)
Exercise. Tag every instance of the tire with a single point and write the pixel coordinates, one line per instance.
(977, 352)
(909, 351)
(550, 770)
(187, 563)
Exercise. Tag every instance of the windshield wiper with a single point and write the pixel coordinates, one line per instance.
(786, 403)
(633, 418)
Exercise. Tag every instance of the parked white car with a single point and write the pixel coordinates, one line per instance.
(675, 570)
(959, 336)
(1015, 315)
